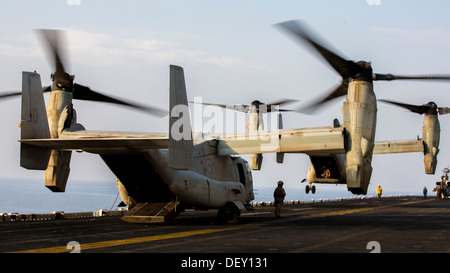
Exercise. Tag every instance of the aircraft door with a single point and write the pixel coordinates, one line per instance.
(241, 173)
(245, 177)
(249, 186)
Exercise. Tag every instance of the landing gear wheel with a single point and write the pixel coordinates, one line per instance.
(313, 189)
(228, 213)
(307, 189)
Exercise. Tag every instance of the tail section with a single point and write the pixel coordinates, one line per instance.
(37, 122)
(254, 125)
(34, 123)
(280, 156)
(180, 130)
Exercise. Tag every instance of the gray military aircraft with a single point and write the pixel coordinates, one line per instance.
(353, 165)
(161, 174)
(158, 175)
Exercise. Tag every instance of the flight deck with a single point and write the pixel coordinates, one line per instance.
(405, 224)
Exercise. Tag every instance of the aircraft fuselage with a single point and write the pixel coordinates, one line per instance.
(211, 183)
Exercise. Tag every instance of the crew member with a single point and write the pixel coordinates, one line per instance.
(379, 192)
(438, 191)
(425, 191)
(279, 195)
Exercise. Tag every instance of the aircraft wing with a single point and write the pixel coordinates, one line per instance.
(318, 140)
(102, 141)
(398, 146)
(312, 141)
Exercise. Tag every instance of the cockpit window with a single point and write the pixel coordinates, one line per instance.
(249, 172)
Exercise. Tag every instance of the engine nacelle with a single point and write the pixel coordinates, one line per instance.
(359, 113)
(431, 133)
(60, 115)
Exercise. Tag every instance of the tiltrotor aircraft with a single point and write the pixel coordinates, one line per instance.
(341, 154)
(161, 174)
(352, 164)
(158, 175)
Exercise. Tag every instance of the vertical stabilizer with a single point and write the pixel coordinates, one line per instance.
(280, 156)
(180, 130)
(254, 125)
(34, 123)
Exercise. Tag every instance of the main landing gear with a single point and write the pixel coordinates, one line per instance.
(311, 188)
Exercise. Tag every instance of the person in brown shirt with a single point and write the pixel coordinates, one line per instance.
(279, 195)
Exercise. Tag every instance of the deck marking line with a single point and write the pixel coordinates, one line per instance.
(111, 243)
(61, 249)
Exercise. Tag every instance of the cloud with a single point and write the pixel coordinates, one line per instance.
(91, 48)
(24, 45)
(105, 50)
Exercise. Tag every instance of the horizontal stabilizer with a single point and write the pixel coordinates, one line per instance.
(102, 142)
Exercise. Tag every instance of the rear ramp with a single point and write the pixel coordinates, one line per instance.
(152, 212)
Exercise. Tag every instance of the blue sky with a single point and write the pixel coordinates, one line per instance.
(231, 53)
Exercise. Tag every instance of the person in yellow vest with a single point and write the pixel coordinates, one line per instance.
(379, 192)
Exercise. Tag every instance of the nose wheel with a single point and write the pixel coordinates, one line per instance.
(311, 188)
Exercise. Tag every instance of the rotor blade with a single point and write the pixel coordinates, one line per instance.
(10, 94)
(46, 89)
(339, 91)
(390, 77)
(237, 107)
(269, 109)
(344, 67)
(52, 38)
(281, 102)
(443, 110)
(419, 109)
(19, 93)
(81, 92)
(245, 108)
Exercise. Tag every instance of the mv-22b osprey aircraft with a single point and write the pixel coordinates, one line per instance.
(342, 154)
(350, 162)
(158, 175)
(161, 174)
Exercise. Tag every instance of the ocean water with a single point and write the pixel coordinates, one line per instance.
(31, 196)
(324, 191)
